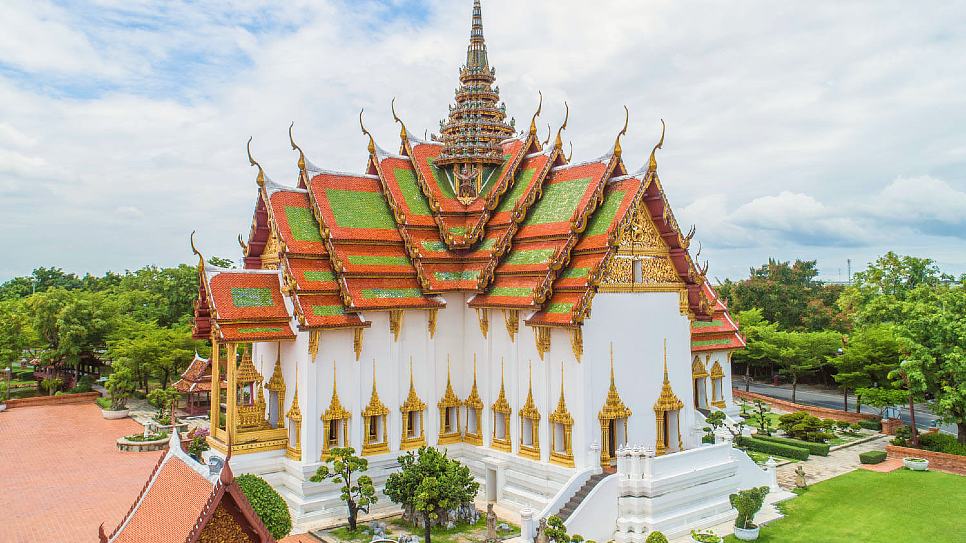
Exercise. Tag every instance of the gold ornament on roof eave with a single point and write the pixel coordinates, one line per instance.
(668, 400)
(698, 369)
(474, 401)
(449, 399)
(335, 411)
(614, 406)
(561, 415)
(295, 413)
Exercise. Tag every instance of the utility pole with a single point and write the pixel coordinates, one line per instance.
(849, 262)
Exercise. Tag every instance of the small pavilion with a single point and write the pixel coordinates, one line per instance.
(195, 384)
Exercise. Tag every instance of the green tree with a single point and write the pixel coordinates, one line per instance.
(556, 531)
(868, 356)
(798, 354)
(120, 385)
(341, 465)
(754, 327)
(16, 334)
(428, 484)
(882, 398)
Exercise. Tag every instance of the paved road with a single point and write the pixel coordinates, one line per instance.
(822, 398)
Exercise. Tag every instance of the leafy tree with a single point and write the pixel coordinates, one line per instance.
(754, 327)
(429, 484)
(120, 385)
(803, 426)
(748, 502)
(556, 531)
(882, 398)
(340, 466)
(152, 350)
(267, 503)
(84, 326)
(799, 353)
(870, 353)
(16, 334)
(222, 262)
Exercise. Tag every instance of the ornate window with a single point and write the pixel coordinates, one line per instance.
(667, 412)
(449, 413)
(294, 415)
(717, 381)
(530, 425)
(335, 421)
(561, 430)
(374, 418)
(413, 433)
(276, 393)
(250, 397)
(699, 377)
(474, 413)
(501, 419)
(613, 420)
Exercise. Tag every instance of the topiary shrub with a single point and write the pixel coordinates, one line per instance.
(656, 537)
(805, 427)
(748, 503)
(770, 447)
(267, 503)
(943, 443)
(871, 425)
(820, 449)
(872, 457)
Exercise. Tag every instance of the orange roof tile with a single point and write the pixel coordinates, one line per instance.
(239, 295)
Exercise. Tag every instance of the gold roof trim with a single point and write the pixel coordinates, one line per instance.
(698, 370)
(529, 409)
(614, 406)
(501, 405)
(246, 370)
(716, 371)
(668, 400)
(335, 411)
(376, 407)
(474, 401)
(412, 403)
(449, 399)
(561, 415)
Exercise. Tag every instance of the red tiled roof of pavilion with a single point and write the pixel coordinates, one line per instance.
(180, 500)
(197, 377)
(721, 333)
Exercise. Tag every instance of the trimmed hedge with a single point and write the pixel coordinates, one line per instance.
(656, 537)
(771, 447)
(872, 457)
(943, 443)
(871, 424)
(821, 449)
(267, 503)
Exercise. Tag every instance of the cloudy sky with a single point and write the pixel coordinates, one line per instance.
(795, 129)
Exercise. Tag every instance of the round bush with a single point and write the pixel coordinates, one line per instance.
(872, 457)
(656, 537)
(267, 503)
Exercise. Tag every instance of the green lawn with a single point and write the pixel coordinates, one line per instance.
(868, 507)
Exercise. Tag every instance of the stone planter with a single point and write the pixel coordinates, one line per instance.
(748, 534)
(693, 540)
(115, 415)
(126, 445)
(3, 407)
(916, 464)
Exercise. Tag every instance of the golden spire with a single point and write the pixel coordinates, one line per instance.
(559, 143)
(617, 143)
(533, 121)
(667, 401)
(375, 407)
(412, 403)
(260, 179)
(295, 147)
(295, 413)
(614, 406)
(474, 400)
(501, 405)
(277, 382)
(372, 142)
(449, 399)
(335, 411)
(652, 161)
(561, 415)
(529, 409)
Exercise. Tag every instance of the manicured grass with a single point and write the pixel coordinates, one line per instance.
(761, 458)
(897, 507)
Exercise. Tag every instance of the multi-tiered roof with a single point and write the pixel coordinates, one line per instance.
(540, 235)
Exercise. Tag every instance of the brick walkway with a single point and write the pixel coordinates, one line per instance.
(61, 475)
(820, 468)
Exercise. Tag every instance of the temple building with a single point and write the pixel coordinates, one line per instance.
(479, 292)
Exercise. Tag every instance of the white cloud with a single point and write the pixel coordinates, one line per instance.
(782, 124)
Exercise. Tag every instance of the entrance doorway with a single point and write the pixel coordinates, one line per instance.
(613, 437)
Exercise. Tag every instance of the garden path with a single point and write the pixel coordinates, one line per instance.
(839, 461)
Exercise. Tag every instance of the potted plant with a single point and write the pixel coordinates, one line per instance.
(119, 386)
(748, 503)
(705, 536)
(198, 443)
(916, 464)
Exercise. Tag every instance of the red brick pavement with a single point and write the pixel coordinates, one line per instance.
(61, 475)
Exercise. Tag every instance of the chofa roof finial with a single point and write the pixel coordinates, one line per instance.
(402, 131)
(372, 142)
(559, 143)
(261, 173)
(194, 249)
(617, 142)
(652, 162)
(533, 121)
(295, 147)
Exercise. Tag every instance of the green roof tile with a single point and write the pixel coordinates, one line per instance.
(263, 330)
(370, 293)
(302, 224)
(511, 292)
(604, 216)
(707, 342)
(708, 324)
(415, 200)
(559, 201)
(434, 246)
(374, 260)
(251, 297)
(328, 310)
(531, 256)
(319, 276)
(575, 273)
(360, 209)
(511, 198)
(560, 307)
(465, 275)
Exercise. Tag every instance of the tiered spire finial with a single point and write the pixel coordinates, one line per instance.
(477, 123)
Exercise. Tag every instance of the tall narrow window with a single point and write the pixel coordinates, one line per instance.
(412, 409)
(501, 419)
(374, 419)
(530, 425)
(335, 421)
(717, 385)
(562, 424)
(474, 410)
(449, 413)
